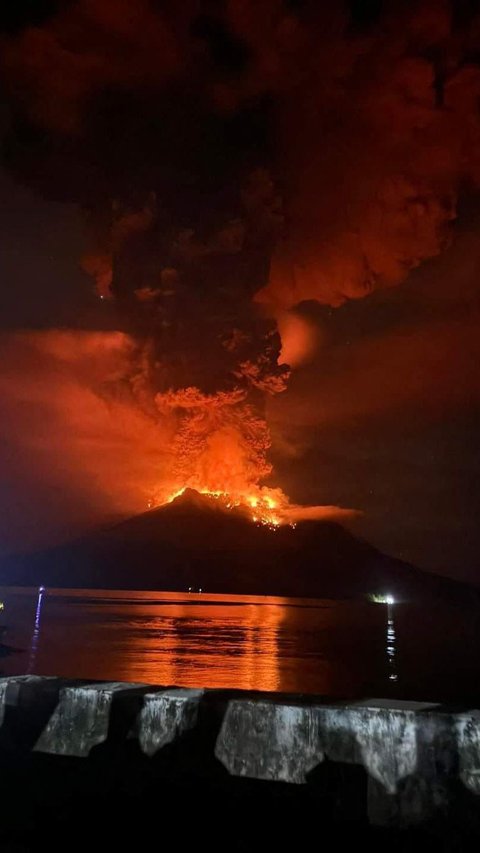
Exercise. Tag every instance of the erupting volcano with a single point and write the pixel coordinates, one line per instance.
(207, 355)
(264, 508)
(237, 168)
(218, 437)
(207, 360)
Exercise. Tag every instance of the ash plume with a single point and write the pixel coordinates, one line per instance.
(234, 160)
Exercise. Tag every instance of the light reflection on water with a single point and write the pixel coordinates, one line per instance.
(251, 643)
(185, 644)
(391, 644)
(333, 648)
(36, 632)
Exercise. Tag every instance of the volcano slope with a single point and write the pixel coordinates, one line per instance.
(196, 542)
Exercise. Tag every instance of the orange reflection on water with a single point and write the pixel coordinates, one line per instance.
(197, 640)
(194, 643)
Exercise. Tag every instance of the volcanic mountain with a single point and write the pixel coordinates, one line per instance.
(195, 542)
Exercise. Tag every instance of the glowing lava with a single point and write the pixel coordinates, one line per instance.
(265, 506)
(218, 447)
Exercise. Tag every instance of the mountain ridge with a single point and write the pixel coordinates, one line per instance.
(197, 542)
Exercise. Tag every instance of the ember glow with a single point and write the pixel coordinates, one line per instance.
(107, 441)
(247, 175)
(262, 507)
(219, 449)
(268, 507)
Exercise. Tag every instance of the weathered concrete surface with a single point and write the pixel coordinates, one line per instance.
(417, 758)
(26, 704)
(408, 750)
(25, 690)
(82, 718)
(384, 739)
(467, 728)
(263, 740)
(165, 716)
(268, 741)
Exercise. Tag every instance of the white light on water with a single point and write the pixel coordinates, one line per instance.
(375, 598)
(381, 598)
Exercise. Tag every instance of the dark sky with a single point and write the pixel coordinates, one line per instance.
(41, 244)
(384, 416)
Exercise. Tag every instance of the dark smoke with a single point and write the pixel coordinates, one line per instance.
(234, 160)
(178, 127)
(123, 110)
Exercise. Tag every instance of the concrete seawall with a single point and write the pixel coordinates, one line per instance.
(417, 762)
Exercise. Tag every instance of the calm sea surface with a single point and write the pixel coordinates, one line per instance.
(338, 649)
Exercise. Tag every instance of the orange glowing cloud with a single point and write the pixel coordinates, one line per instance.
(82, 441)
(377, 142)
(300, 339)
(77, 445)
(418, 360)
(410, 370)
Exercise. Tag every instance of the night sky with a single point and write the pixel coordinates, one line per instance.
(342, 188)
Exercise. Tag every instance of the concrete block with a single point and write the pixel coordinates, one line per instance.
(165, 716)
(82, 717)
(271, 741)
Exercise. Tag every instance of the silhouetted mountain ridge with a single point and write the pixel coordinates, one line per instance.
(196, 542)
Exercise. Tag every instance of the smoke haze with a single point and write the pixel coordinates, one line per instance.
(259, 185)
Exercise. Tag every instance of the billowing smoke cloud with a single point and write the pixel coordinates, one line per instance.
(368, 120)
(235, 160)
(82, 440)
(75, 446)
(180, 207)
(377, 143)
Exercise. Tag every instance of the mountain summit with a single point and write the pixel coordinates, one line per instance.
(195, 541)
